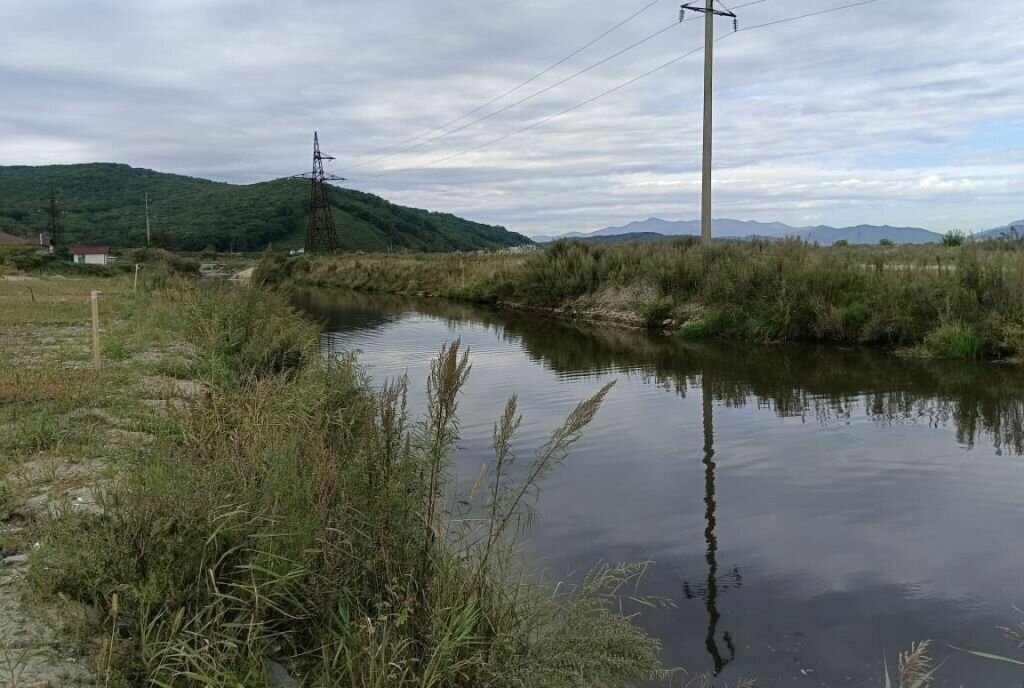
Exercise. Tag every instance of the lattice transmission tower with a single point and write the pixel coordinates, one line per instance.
(321, 236)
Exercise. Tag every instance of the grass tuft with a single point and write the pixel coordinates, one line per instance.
(958, 341)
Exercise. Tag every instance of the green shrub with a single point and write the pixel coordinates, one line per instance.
(954, 238)
(655, 313)
(158, 259)
(955, 340)
(25, 258)
(272, 270)
(28, 258)
(249, 333)
(852, 317)
(711, 325)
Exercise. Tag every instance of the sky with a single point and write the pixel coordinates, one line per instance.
(900, 112)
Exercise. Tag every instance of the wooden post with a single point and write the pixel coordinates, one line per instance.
(96, 361)
(135, 287)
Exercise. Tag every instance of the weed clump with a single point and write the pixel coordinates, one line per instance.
(299, 520)
(955, 340)
(655, 313)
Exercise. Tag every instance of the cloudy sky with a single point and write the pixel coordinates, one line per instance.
(906, 112)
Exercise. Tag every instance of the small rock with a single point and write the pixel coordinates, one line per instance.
(94, 615)
(191, 389)
(179, 405)
(669, 323)
(117, 435)
(278, 677)
(16, 560)
(95, 414)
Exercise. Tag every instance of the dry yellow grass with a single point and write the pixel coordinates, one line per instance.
(55, 300)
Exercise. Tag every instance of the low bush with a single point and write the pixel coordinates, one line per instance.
(956, 340)
(28, 258)
(655, 313)
(160, 259)
(954, 238)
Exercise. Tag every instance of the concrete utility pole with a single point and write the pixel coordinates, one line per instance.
(56, 228)
(709, 13)
(147, 219)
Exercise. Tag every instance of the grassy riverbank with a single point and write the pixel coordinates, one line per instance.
(215, 507)
(957, 302)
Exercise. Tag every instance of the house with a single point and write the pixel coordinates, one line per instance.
(91, 255)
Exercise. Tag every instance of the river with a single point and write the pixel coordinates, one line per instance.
(809, 511)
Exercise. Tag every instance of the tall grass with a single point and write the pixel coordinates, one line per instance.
(910, 296)
(301, 518)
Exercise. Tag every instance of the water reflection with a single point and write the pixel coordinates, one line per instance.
(826, 385)
(838, 482)
(711, 590)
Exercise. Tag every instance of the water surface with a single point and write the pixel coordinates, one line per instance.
(809, 510)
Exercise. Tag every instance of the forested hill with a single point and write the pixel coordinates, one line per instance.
(102, 203)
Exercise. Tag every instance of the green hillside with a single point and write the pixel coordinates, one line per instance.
(102, 203)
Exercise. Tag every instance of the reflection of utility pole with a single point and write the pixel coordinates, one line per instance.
(710, 592)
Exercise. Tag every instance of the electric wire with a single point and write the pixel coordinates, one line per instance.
(519, 102)
(809, 14)
(536, 76)
(614, 89)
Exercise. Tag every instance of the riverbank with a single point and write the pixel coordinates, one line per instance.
(954, 302)
(213, 506)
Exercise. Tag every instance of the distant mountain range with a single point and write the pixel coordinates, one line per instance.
(740, 229)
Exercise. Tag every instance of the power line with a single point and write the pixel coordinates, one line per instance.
(538, 75)
(809, 14)
(739, 7)
(542, 121)
(615, 89)
(519, 102)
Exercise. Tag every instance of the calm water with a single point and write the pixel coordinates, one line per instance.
(809, 510)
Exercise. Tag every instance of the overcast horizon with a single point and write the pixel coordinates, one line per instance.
(885, 113)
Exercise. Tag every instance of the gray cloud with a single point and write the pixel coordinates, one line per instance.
(901, 111)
